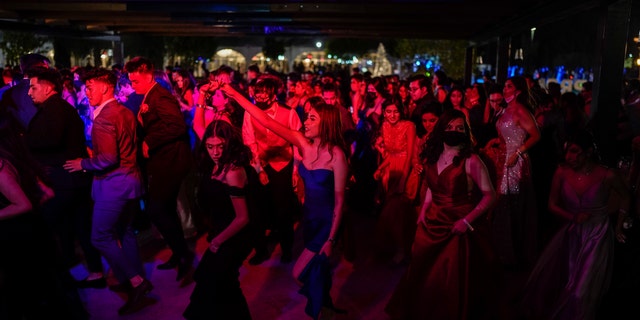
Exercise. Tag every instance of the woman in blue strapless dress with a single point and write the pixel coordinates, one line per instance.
(324, 173)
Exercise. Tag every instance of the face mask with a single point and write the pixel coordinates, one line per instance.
(264, 105)
(454, 138)
(509, 99)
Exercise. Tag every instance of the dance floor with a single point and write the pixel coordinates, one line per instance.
(361, 287)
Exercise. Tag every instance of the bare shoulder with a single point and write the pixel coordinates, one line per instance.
(609, 173)
(475, 160)
(338, 154)
(236, 176)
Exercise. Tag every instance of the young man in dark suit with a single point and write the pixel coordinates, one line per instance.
(117, 185)
(167, 159)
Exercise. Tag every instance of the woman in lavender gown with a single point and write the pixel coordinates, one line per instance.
(574, 271)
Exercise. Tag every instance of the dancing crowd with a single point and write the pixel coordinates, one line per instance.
(466, 182)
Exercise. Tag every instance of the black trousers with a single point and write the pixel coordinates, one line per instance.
(162, 196)
(68, 216)
(282, 208)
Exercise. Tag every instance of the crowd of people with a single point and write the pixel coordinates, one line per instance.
(466, 182)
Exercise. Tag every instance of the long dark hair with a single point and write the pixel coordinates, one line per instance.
(13, 149)
(433, 147)
(524, 98)
(396, 102)
(234, 151)
(585, 140)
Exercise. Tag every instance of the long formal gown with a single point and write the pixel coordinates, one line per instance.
(515, 217)
(317, 217)
(396, 226)
(217, 291)
(449, 276)
(396, 152)
(574, 271)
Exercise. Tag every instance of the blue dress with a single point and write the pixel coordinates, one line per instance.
(319, 200)
(317, 211)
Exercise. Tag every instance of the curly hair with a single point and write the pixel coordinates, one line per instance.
(234, 151)
(434, 145)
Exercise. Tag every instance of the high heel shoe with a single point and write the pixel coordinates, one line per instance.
(185, 264)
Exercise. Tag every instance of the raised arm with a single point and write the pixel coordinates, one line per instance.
(199, 122)
(293, 137)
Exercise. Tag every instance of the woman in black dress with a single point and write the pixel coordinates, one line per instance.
(224, 196)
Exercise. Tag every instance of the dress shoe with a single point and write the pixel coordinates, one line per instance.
(99, 283)
(170, 264)
(135, 300)
(184, 266)
(121, 287)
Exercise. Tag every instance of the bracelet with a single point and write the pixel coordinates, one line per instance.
(468, 224)
(204, 107)
(519, 153)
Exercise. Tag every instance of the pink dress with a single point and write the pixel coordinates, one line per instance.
(396, 151)
(396, 225)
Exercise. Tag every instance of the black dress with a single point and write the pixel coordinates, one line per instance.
(217, 293)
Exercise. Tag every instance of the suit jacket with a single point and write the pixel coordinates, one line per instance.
(19, 104)
(165, 131)
(114, 161)
(55, 135)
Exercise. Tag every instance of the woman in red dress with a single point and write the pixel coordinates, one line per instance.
(449, 276)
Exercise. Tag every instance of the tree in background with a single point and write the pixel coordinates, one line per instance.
(14, 44)
(189, 49)
(451, 53)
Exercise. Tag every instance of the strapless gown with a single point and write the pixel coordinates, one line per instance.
(317, 211)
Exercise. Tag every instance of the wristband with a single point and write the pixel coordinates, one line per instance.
(204, 107)
(468, 224)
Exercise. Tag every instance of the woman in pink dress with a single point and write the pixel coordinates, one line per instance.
(397, 143)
